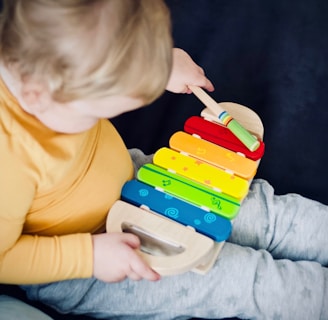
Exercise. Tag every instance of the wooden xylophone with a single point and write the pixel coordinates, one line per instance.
(182, 205)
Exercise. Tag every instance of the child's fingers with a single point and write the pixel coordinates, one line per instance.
(131, 240)
(202, 82)
(140, 268)
(134, 276)
(207, 85)
(145, 272)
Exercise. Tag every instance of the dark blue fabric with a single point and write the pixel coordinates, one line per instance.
(271, 56)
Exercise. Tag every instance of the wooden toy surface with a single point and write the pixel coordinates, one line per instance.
(168, 246)
(244, 115)
(227, 119)
(213, 154)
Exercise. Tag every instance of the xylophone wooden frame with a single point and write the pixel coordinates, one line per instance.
(199, 251)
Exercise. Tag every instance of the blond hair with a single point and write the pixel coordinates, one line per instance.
(89, 48)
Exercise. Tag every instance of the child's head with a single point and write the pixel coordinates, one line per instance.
(89, 49)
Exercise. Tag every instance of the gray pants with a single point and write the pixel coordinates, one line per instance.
(14, 309)
(274, 266)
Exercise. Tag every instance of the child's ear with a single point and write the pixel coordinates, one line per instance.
(35, 95)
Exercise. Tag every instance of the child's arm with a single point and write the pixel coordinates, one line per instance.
(186, 72)
(27, 258)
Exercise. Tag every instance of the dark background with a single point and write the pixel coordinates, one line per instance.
(271, 56)
(268, 55)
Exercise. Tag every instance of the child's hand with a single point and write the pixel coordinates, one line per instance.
(186, 72)
(115, 258)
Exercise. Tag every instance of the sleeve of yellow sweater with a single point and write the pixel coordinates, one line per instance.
(27, 259)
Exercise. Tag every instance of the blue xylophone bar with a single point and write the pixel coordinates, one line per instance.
(207, 223)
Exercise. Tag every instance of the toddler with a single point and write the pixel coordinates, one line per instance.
(66, 67)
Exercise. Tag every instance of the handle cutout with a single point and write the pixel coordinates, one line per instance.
(152, 244)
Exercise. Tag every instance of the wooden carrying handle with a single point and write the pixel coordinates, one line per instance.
(168, 247)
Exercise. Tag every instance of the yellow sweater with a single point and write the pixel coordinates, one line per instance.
(55, 191)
